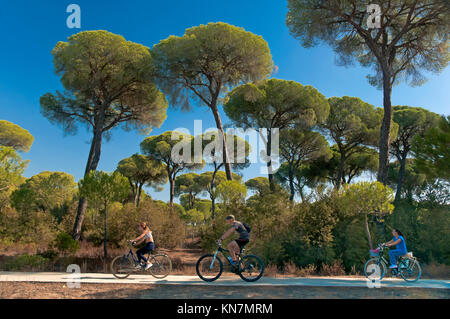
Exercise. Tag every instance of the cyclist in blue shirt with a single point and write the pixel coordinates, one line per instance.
(400, 247)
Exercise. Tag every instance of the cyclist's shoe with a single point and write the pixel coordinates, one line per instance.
(138, 267)
(393, 267)
(147, 267)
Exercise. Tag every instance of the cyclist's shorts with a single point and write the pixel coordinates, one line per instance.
(150, 246)
(242, 242)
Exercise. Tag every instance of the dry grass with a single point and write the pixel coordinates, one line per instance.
(307, 271)
(335, 269)
(436, 271)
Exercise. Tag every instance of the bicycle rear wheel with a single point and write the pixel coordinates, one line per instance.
(209, 267)
(162, 266)
(374, 269)
(122, 267)
(251, 268)
(410, 270)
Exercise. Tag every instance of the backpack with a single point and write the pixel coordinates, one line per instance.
(247, 227)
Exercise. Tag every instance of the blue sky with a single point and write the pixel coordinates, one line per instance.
(30, 29)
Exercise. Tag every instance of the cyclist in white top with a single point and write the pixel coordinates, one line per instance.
(147, 238)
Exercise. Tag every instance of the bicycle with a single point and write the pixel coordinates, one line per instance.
(210, 267)
(123, 266)
(408, 267)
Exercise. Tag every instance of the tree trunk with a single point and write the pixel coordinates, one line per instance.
(213, 199)
(105, 235)
(385, 129)
(369, 237)
(92, 163)
(133, 191)
(401, 174)
(225, 150)
(269, 162)
(341, 171)
(172, 191)
(291, 183)
(139, 192)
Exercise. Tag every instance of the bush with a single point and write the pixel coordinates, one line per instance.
(65, 244)
(26, 262)
(49, 254)
(168, 229)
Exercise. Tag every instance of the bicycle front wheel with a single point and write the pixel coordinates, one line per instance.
(374, 269)
(121, 267)
(410, 270)
(251, 268)
(209, 268)
(162, 266)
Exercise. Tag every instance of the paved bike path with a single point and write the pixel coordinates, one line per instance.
(223, 281)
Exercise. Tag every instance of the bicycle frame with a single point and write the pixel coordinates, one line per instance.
(131, 253)
(134, 257)
(223, 251)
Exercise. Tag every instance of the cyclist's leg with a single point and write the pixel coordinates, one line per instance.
(241, 243)
(140, 254)
(393, 255)
(149, 248)
(234, 249)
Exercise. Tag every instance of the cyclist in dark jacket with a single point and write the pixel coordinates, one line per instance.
(235, 246)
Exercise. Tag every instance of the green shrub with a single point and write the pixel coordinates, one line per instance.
(65, 244)
(26, 262)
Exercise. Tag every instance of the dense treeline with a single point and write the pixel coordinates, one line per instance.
(315, 210)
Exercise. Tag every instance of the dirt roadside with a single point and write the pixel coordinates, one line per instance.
(21, 290)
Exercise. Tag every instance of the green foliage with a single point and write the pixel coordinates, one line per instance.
(107, 82)
(26, 262)
(205, 62)
(168, 229)
(352, 123)
(426, 228)
(175, 150)
(412, 122)
(212, 149)
(14, 136)
(276, 103)
(65, 244)
(367, 198)
(231, 193)
(260, 185)
(46, 191)
(102, 188)
(187, 184)
(432, 151)
(413, 181)
(35, 228)
(362, 159)
(142, 170)
(411, 38)
(412, 35)
(11, 170)
(298, 148)
(207, 55)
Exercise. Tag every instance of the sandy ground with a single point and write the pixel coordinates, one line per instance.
(22, 290)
